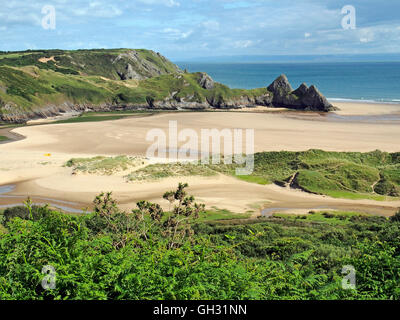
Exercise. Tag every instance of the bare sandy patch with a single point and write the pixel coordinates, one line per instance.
(355, 108)
(45, 60)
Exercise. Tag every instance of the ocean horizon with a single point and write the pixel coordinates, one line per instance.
(367, 82)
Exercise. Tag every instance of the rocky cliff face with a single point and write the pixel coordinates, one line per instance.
(131, 65)
(306, 98)
(205, 81)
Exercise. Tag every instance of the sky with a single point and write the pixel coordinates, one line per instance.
(183, 29)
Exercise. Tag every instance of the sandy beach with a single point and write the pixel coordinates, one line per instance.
(368, 108)
(35, 164)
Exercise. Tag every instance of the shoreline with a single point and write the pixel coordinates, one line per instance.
(365, 109)
(346, 100)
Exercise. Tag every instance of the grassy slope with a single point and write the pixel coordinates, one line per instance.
(352, 175)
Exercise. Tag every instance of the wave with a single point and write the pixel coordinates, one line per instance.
(380, 101)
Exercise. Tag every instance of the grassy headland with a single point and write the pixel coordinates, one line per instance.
(40, 82)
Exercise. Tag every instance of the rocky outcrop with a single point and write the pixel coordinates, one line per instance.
(129, 74)
(314, 100)
(132, 65)
(205, 81)
(305, 98)
(280, 87)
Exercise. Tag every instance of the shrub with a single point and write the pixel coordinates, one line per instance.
(396, 217)
(23, 212)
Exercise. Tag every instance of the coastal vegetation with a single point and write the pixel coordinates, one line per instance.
(179, 169)
(104, 165)
(151, 254)
(353, 175)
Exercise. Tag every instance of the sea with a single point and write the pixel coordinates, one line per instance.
(341, 81)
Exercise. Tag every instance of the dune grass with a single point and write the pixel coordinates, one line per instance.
(160, 171)
(216, 214)
(104, 165)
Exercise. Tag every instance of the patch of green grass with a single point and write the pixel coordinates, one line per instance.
(3, 138)
(354, 195)
(255, 179)
(221, 214)
(104, 165)
(331, 217)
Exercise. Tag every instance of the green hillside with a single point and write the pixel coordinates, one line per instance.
(106, 63)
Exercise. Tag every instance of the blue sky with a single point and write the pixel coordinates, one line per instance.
(182, 29)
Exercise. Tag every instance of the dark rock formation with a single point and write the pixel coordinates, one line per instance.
(302, 98)
(301, 91)
(129, 73)
(205, 81)
(281, 86)
(314, 100)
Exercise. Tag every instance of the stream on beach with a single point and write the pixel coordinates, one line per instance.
(16, 200)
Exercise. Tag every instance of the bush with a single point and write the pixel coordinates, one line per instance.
(396, 217)
(23, 212)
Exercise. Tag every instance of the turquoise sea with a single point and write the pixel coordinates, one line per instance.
(366, 81)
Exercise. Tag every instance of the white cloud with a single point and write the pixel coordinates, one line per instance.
(168, 3)
(99, 9)
(243, 43)
(176, 33)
